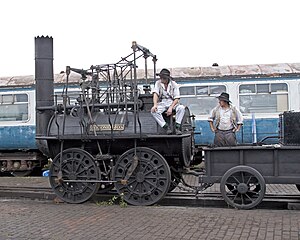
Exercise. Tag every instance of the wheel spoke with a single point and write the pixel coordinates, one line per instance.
(235, 179)
(150, 183)
(150, 180)
(66, 172)
(247, 190)
(243, 177)
(74, 168)
(248, 182)
(249, 197)
(135, 186)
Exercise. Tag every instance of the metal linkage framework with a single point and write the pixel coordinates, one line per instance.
(110, 87)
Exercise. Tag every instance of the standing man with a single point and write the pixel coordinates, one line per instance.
(225, 120)
(166, 98)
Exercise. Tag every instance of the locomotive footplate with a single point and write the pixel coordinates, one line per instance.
(109, 136)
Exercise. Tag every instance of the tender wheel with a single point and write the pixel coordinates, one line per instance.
(243, 187)
(76, 164)
(149, 181)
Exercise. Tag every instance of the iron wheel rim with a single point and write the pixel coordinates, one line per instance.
(243, 187)
(77, 164)
(149, 182)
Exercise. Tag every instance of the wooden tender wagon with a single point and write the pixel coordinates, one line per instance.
(244, 171)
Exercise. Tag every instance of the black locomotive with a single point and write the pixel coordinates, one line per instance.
(102, 134)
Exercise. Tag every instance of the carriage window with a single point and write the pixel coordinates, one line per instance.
(202, 90)
(204, 100)
(279, 87)
(248, 88)
(187, 91)
(263, 98)
(217, 89)
(14, 107)
(263, 88)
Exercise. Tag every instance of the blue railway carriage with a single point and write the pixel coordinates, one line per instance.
(261, 92)
(19, 154)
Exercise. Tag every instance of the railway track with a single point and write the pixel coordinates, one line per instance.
(176, 198)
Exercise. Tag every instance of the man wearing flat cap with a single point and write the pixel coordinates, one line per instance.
(166, 98)
(225, 120)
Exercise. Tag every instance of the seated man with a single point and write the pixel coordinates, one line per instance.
(166, 98)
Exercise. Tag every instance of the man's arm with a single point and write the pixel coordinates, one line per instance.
(170, 109)
(237, 128)
(239, 119)
(176, 97)
(211, 118)
(212, 127)
(155, 101)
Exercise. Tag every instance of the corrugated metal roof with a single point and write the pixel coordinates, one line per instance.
(257, 70)
(237, 70)
(30, 80)
(232, 71)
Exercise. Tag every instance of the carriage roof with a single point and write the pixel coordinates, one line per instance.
(228, 71)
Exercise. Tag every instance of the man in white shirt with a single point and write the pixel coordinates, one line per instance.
(166, 98)
(225, 120)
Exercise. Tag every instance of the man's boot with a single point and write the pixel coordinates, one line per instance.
(177, 129)
(168, 129)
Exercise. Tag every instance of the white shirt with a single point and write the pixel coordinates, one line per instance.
(171, 93)
(225, 121)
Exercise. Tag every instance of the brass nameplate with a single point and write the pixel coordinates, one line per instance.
(107, 127)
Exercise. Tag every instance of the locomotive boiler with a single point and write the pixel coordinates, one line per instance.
(101, 135)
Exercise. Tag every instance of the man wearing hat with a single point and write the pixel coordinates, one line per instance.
(166, 98)
(225, 120)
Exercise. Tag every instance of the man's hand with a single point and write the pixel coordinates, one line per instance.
(154, 108)
(235, 129)
(213, 129)
(169, 111)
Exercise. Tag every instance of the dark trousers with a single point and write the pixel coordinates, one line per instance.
(224, 138)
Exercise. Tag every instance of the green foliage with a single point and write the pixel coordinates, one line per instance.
(47, 166)
(113, 201)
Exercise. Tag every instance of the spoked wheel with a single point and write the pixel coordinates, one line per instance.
(78, 165)
(243, 187)
(150, 179)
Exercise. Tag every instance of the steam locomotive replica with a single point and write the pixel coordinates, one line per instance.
(102, 136)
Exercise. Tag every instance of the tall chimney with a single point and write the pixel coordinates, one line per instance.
(44, 80)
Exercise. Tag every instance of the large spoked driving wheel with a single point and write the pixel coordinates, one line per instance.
(147, 173)
(243, 187)
(72, 178)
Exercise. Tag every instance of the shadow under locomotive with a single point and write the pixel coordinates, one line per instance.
(103, 136)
